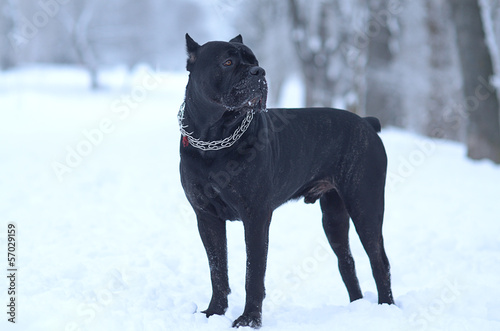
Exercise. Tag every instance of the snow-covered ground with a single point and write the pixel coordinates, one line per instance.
(107, 241)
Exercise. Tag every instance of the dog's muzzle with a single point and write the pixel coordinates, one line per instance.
(249, 94)
(258, 102)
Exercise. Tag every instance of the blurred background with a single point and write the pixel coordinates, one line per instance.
(89, 160)
(429, 66)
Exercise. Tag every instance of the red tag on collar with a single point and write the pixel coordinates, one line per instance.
(185, 141)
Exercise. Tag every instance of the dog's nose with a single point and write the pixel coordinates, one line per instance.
(258, 71)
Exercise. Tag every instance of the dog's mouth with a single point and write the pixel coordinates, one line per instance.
(257, 104)
(258, 99)
(247, 97)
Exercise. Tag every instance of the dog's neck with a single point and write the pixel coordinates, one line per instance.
(210, 122)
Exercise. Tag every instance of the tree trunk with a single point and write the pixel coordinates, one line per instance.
(483, 128)
(7, 26)
(382, 97)
(442, 120)
(319, 29)
(78, 25)
(312, 61)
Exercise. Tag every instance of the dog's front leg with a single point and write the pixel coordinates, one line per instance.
(213, 234)
(257, 240)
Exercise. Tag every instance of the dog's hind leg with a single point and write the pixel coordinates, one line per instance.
(336, 226)
(367, 219)
(213, 234)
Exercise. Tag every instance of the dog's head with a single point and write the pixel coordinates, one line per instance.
(227, 74)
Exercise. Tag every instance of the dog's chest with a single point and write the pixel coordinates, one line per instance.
(210, 186)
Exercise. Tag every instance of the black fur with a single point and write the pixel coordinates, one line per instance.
(324, 154)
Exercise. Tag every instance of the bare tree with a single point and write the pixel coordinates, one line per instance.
(112, 32)
(382, 88)
(7, 27)
(266, 29)
(443, 118)
(490, 10)
(319, 30)
(77, 20)
(483, 128)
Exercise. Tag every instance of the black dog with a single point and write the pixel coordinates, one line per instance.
(240, 161)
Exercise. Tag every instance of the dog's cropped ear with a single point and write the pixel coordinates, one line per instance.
(237, 39)
(192, 50)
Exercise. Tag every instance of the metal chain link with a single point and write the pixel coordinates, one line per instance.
(218, 144)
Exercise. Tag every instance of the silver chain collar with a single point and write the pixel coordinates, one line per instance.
(218, 144)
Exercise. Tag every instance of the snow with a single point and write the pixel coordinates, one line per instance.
(112, 244)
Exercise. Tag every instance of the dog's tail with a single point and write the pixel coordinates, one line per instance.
(374, 122)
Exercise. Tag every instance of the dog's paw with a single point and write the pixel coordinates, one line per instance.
(209, 312)
(251, 320)
(216, 308)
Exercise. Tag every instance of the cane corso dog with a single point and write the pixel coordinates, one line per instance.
(241, 161)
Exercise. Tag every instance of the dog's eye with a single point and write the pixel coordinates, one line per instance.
(228, 63)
